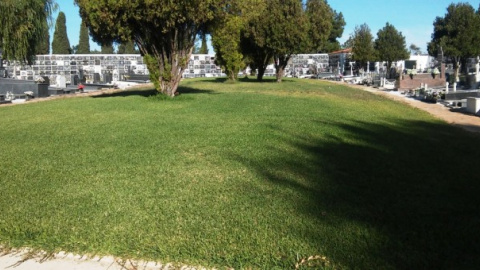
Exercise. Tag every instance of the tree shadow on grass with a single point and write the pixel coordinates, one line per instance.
(410, 185)
(151, 92)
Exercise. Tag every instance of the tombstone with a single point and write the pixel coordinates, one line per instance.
(74, 79)
(96, 77)
(446, 87)
(61, 81)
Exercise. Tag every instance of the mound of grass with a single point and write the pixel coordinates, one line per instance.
(244, 175)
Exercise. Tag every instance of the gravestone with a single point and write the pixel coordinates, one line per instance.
(61, 82)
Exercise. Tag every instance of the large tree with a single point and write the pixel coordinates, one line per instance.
(107, 48)
(414, 49)
(320, 17)
(43, 46)
(280, 31)
(363, 49)
(163, 30)
(22, 27)
(127, 48)
(254, 44)
(84, 40)
(204, 47)
(390, 45)
(60, 43)
(227, 31)
(338, 25)
(457, 35)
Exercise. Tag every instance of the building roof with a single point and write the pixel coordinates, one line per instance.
(347, 50)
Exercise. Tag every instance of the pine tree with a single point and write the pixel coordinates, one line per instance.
(84, 41)
(60, 43)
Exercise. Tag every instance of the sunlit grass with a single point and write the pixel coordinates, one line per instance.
(244, 175)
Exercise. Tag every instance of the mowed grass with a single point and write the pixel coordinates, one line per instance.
(244, 175)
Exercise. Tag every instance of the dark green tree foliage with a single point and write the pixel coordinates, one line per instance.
(84, 40)
(60, 43)
(363, 49)
(254, 42)
(457, 34)
(226, 42)
(320, 17)
(287, 38)
(414, 49)
(280, 31)
(390, 45)
(107, 48)
(163, 30)
(22, 27)
(338, 25)
(74, 49)
(204, 47)
(226, 34)
(43, 46)
(127, 48)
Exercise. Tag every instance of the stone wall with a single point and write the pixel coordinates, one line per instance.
(405, 82)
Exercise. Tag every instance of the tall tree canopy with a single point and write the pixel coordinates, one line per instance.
(280, 31)
(127, 48)
(363, 50)
(320, 17)
(22, 27)
(60, 43)
(390, 45)
(227, 32)
(414, 49)
(338, 25)
(457, 34)
(163, 30)
(107, 48)
(43, 46)
(204, 47)
(84, 40)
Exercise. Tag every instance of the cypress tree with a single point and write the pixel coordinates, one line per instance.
(84, 40)
(107, 48)
(204, 48)
(127, 48)
(60, 44)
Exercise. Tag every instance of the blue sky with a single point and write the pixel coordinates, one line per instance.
(414, 18)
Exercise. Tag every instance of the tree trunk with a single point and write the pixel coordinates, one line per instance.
(260, 73)
(166, 62)
(280, 64)
(279, 73)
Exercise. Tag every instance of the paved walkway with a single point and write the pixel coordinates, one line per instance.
(23, 260)
(455, 116)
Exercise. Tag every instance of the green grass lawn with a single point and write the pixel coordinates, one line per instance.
(244, 175)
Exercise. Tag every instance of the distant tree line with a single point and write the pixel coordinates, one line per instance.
(242, 32)
(456, 36)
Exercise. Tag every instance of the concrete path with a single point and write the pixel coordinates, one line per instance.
(23, 260)
(454, 116)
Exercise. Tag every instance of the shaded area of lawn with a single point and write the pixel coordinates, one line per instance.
(401, 196)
